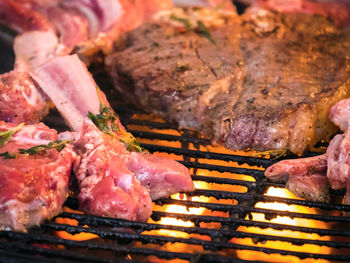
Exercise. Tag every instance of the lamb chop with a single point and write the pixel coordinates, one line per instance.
(263, 81)
(115, 175)
(35, 171)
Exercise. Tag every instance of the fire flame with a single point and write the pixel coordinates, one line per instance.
(279, 192)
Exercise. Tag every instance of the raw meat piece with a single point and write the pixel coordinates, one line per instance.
(86, 25)
(21, 99)
(107, 187)
(337, 10)
(305, 177)
(161, 176)
(335, 163)
(33, 187)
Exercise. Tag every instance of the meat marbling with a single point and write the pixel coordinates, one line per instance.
(266, 84)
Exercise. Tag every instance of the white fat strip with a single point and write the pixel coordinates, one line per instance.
(69, 85)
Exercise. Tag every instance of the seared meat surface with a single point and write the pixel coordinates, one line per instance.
(297, 67)
(266, 83)
(181, 75)
(33, 188)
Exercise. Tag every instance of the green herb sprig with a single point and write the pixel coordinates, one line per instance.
(185, 21)
(106, 119)
(200, 29)
(59, 145)
(203, 30)
(6, 136)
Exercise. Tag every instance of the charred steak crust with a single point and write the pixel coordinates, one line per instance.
(181, 75)
(268, 83)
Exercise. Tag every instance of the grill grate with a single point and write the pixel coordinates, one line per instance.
(224, 225)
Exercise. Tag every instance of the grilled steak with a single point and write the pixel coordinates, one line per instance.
(33, 188)
(266, 83)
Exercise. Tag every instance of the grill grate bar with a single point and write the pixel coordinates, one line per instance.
(210, 155)
(251, 223)
(258, 174)
(19, 247)
(213, 233)
(171, 138)
(220, 180)
(248, 197)
(161, 253)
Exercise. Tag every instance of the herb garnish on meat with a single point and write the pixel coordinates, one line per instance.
(6, 136)
(200, 29)
(203, 30)
(59, 145)
(185, 21)
(106, 122)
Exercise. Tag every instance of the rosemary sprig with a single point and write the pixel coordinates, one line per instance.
(203, 30)
(185, 21)
(8, 155)
(106, 122)
(6, 136)
(59, 145)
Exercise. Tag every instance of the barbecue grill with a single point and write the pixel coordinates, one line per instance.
(234, 214)
(223, 219)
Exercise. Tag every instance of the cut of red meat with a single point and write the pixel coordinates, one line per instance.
(21, 100)
(337, 10)
(107, 186)
(162, 177)
(108, 165)
(33, 187)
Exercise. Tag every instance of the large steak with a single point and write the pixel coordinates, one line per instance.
(266, 83)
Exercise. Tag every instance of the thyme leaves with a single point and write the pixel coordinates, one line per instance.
(59, 145)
